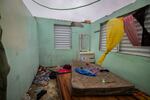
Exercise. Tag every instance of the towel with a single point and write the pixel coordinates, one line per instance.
(84, 71)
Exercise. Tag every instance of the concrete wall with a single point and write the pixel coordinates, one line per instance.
(133, 68)
(21, 44)
(49, 56)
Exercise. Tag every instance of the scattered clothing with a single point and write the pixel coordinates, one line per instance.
(46, 83)
(84, 71)
(42, 76)
(38, 90)
(53, 75)
(140, 16)
(94, 70)
(62, 71)
(131, 31)
(67, 67)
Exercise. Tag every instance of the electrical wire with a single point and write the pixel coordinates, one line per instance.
(73, 8)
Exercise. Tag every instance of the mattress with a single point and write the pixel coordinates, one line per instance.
(104, 83)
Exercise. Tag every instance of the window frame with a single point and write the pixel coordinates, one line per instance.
(142, 54)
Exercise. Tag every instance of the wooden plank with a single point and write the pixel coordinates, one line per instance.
(63, 83)
(141, 96)
(65, 86)
(125, 98)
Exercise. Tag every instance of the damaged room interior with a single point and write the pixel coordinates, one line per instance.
(74, 49)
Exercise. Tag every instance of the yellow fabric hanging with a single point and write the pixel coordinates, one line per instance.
(114, 34)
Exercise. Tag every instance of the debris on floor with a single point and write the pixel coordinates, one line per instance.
(42, 76)
(44, 85)
(26, 97)
(40, 93)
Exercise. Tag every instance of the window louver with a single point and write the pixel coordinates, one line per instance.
(103, 39)
(62, 37)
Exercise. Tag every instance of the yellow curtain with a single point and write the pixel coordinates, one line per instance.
(114, 34)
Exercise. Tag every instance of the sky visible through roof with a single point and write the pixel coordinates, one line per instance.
(92, 12)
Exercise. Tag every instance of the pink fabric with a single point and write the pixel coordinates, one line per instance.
(61, 71)
(131, 31)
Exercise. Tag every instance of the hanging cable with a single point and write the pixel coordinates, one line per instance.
(73, 8)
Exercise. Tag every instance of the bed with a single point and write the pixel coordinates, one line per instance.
(105, 83)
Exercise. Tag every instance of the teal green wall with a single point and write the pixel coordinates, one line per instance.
(133, 68)
(49, 56)
(21, 43)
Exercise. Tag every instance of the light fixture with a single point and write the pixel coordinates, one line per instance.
(76, 24)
